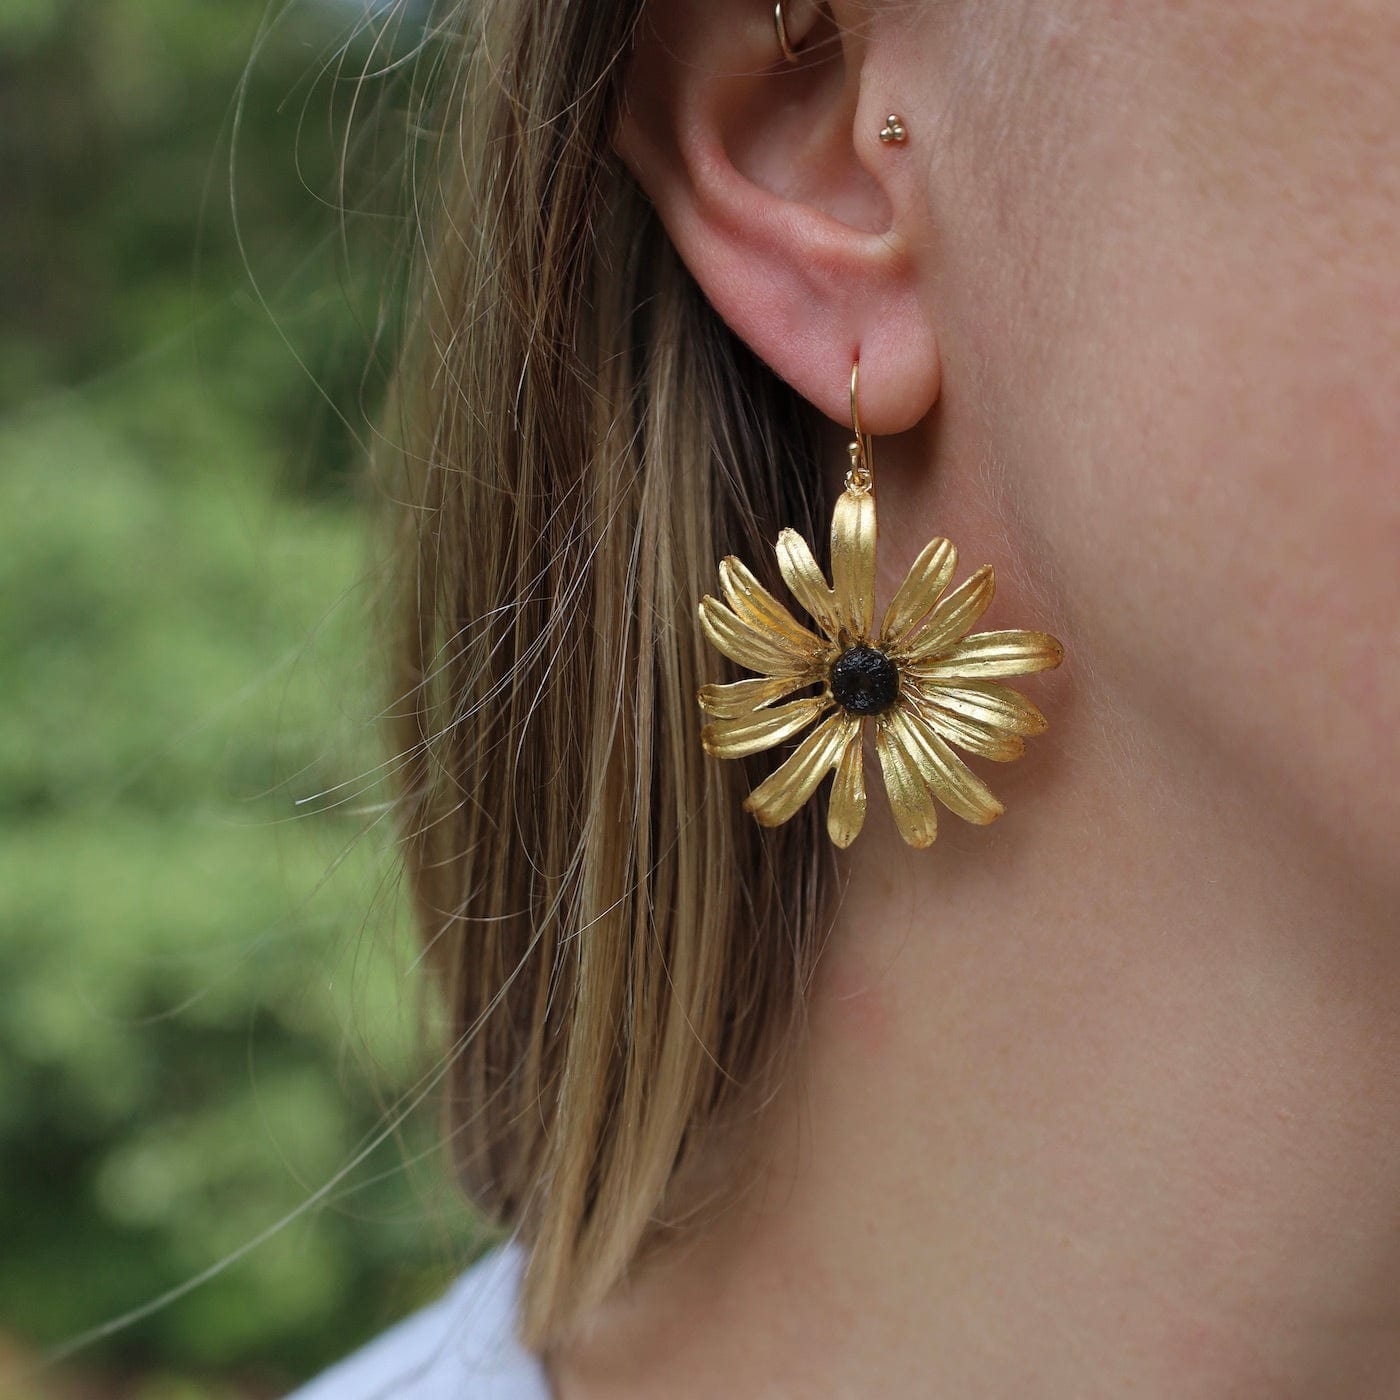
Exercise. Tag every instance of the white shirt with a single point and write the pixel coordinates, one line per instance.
(462, 1347)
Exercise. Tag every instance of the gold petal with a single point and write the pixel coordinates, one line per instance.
(987, 702)
(974, 735)
(914, 812)
(953, 617)
(928, 576)
(955, 785)
(853, 562)
(765, 652)
(744, 697)
(754, 604)
(806, 582)
(988, 654)
(752, 733)
(845, 814)
(789, 785)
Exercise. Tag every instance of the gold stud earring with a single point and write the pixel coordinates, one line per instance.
(921, 680)
(893, 130)
(780, 24)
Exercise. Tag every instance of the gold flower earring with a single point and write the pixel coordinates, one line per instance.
(922, 680)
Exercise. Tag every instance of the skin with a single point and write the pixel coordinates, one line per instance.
(1102, 1100)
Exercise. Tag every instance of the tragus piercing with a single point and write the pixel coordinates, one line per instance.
(894, 130)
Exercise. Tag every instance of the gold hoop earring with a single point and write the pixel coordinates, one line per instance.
(780, 25)
(921, 679)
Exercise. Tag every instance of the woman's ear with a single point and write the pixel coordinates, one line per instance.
(780, 197)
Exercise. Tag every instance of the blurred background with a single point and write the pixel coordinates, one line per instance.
(213, 1043)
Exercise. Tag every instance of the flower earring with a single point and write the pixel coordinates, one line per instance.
(921, 680)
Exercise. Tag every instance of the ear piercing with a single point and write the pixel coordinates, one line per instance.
(921, 679)
(893, 131)
(780, 24)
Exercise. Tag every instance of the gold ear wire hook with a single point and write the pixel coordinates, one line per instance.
(780, 24)
(861, 476)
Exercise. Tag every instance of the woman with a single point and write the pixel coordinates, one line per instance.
(1103, 1099)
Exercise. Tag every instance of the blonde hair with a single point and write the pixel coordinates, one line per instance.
(576, 440)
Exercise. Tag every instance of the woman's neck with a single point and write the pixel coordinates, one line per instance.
(1103, 1105)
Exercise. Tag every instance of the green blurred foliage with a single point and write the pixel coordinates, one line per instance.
(208, 1007)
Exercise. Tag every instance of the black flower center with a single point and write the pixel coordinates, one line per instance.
(864, 680)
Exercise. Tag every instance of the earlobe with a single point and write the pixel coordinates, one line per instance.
(782, 200)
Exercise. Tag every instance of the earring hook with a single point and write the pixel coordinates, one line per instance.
(861, 476)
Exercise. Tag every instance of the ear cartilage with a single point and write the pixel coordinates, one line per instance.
(893, 131)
